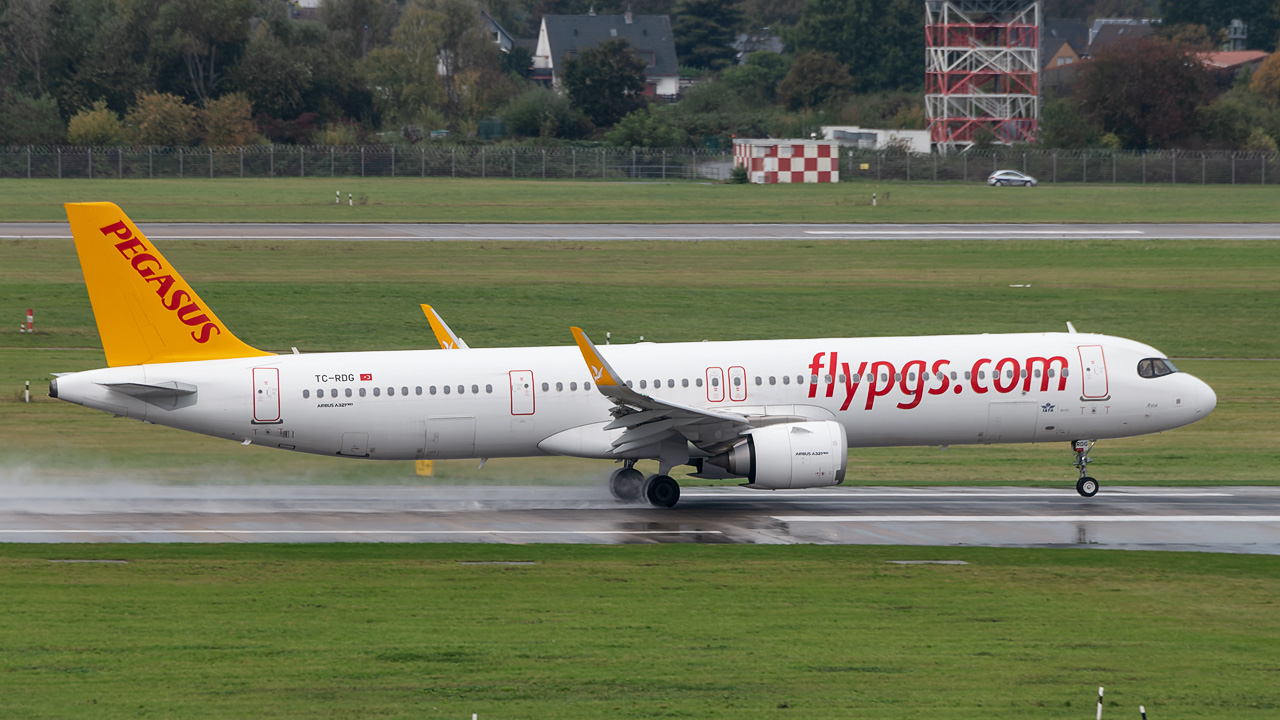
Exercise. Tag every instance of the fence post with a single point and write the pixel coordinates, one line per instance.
(393, 161)
(59, 163)
(1084, 166)
(1173, 155)
(482, 163)
(664, 164)
(151, 155)
(242, 161)
(544, 163)
(1233, 169)
(964, 165)
(1024, 163)
(331, 161)
(1113, 167)
(90, 163)
(575, 163)
(1264, 171)
(1055, 166)
(120, 163)
(1202, 169)
(271, 160)
(361, 161)
(600, 153)
(633, 163)
(302, 161)
(908, 166)
(513, 163)
(210, 163)
(1144, 167)
(935, 165)
(28, 162)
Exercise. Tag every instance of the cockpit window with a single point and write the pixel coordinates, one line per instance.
(1155, 367)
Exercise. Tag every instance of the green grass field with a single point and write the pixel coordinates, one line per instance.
(674, 631)
(473, 200)
(1212, 302)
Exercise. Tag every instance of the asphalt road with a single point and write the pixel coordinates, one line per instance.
(526, 232)
(1232, 519)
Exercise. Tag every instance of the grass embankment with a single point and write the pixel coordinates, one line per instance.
(476, 200)
(417, 631)
(1192, 299)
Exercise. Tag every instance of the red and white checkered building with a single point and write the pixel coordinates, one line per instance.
(788, 161)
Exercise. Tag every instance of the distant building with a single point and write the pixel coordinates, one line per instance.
(1063, 42)
(1106, 32)
(1227, 64)
(871, 139)
(562, 37)
(770, 161)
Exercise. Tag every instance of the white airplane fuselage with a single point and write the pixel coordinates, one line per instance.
(510, 402)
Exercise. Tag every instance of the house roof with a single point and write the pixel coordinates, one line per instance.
(1075, 32)
(1112, 33)
(647, 34)
(1231, 58)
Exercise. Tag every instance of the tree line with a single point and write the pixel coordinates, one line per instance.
(235, 72)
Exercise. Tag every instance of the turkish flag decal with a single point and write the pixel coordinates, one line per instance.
(366, 377)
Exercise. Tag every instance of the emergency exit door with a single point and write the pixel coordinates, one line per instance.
(1093, 373)
(266, 395)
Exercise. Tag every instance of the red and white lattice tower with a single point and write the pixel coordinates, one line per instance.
(982, 70)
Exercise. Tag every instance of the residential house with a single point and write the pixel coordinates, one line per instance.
(562, 37)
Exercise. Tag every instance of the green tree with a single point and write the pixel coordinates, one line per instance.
(1062, 126)
(227, 121)
(606, 82)
(757, 79)
(815, 78)
(25, 120)
(404, 73)
(465, 53)
(1266, 81)
(539, 112)
(1259, 16)
(161, 119)
(882, 42)
(98, 126)
(1146, 92)
(207, 35)
(704, 32)
(25, 34)
(645, 128)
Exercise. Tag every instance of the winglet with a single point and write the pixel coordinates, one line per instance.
(603, 375)
(446, 337)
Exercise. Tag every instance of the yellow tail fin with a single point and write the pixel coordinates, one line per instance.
(146, 312)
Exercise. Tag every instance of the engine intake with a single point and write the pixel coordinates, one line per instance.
(790, 456)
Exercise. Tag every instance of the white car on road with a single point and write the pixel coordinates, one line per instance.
(1010, 177)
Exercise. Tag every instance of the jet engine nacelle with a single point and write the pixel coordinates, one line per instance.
(790, 455)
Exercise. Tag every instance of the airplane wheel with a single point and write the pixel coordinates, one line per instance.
(626, 484)
(662, 491)
(1087, 486)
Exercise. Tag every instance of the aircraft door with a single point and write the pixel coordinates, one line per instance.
(1093, 373)
(715, 384)
(266, 395)
(522, 393)
(737, 384)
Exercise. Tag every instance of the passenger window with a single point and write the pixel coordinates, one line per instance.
(799, 379)
(475, 389)
(560, 386)
(417, 390)
(884, 377)
(573, 386)
(377, 392)
(737, 381)
(671, 383)
(786, 379)
(684, 382)
(911, 377)
(698, 382)
(445, 387)
(347, 392)
(333, 392)
(586, 386)
(488, 389)
(362, 392)
(657, 384)
(306, 394)
(773, 380)
(462, 389)
(897, 377)
(432, 389)
(715, 382)
(628, 383)
(545, 387)
(826, 379)
(391, 391)
(404, 391)
(642, 385)
(759, 380)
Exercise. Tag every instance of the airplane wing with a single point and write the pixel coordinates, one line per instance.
(448, 340)
(650, 421)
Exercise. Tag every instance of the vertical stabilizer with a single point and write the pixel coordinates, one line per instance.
(146, 312)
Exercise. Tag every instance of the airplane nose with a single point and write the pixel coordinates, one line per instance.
(1206, 398)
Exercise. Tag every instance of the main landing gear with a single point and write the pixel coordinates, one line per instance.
(629, 485)
(1086, 486)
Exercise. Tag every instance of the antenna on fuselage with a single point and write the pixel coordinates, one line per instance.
(1071, 328)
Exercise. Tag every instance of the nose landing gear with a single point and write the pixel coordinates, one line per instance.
(1086, 486)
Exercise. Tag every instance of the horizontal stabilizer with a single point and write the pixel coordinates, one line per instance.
(169, 395)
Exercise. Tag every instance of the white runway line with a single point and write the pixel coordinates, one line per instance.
(1028, 518)
(980, 233)
(375, 531)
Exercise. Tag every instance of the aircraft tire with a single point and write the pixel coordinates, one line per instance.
(1087, 487)
(626, 484)
(662, 491)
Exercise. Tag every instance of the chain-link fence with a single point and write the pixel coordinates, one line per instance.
(368, 161)
(1047, 166)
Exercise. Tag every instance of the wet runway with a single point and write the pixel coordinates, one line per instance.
(674, 231)
(1234, 519)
